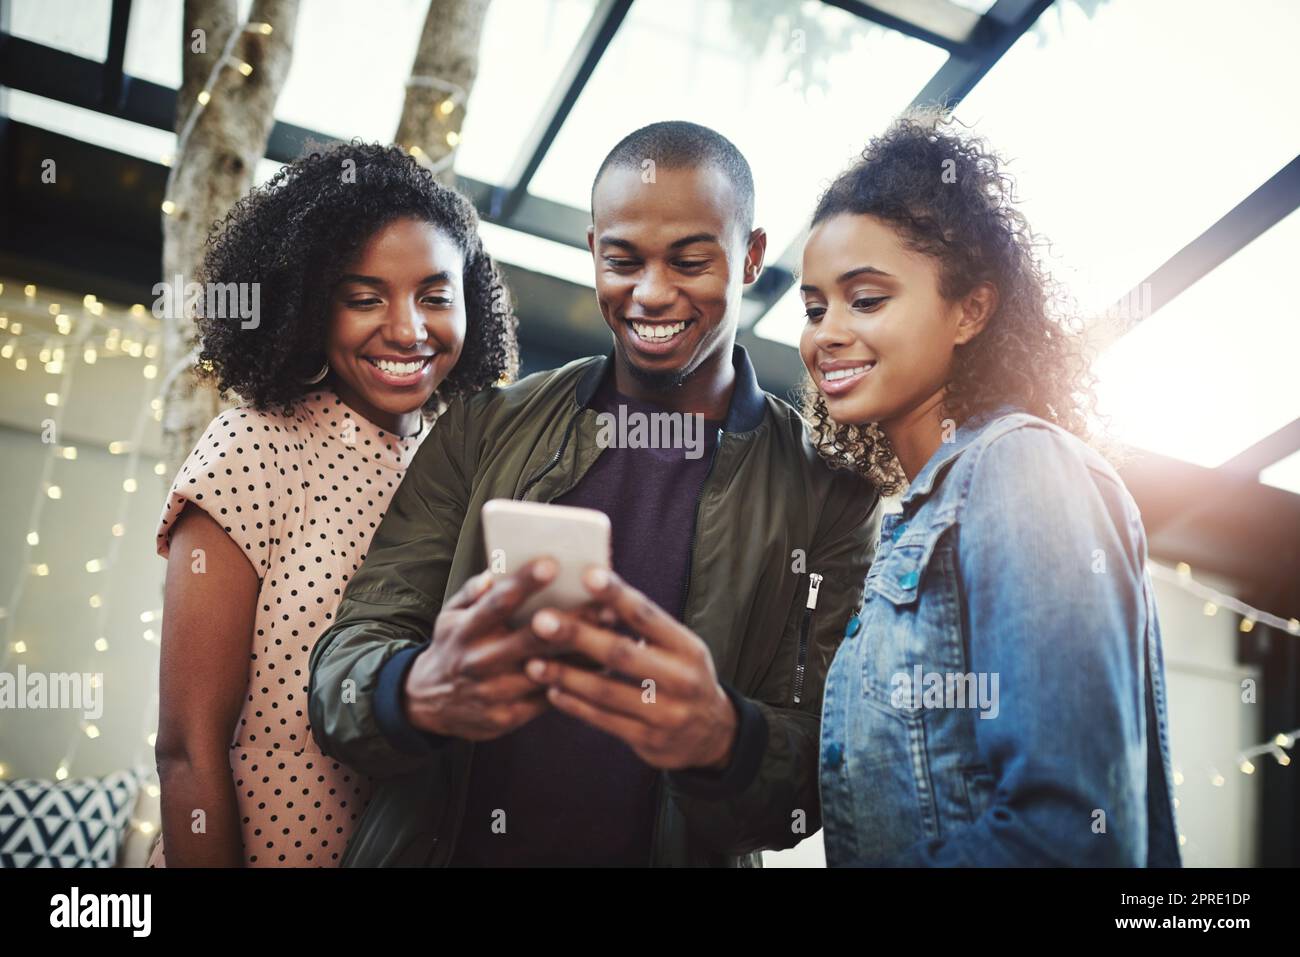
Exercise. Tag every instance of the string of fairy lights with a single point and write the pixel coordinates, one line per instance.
(81, 336)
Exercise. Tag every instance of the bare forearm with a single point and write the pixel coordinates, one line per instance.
(200, 813)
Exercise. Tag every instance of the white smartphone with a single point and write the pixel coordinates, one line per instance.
(515, 533)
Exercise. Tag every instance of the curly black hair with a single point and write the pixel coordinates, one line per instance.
(946, 193)
(295, 235)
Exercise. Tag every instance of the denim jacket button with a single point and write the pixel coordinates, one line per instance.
(855, 626)
(834, 756)
(909, 580)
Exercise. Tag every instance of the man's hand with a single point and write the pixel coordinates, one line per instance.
(688, 721)
(469, 683)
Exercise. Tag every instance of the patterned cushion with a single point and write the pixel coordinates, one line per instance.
(65, 824)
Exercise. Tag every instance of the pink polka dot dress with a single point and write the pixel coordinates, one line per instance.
(301, 494)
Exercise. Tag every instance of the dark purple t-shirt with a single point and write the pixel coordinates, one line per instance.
(571, 794)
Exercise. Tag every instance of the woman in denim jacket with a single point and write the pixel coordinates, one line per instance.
(999, 698)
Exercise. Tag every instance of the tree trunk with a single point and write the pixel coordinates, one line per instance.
(218, 149)
(446, 63)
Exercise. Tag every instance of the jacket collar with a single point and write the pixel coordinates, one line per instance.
(748, 401)
(947, 453)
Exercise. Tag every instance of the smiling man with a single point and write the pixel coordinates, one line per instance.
(735, 573)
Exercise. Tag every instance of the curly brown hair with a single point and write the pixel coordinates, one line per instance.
(946, 193)
(296, 234)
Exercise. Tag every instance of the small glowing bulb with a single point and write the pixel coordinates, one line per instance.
(155, 404)
(94, 565)
(137, 310)
(146, 827)
(51, 398)
(20, 364)
(147, 616)
(1184, 570)
(245, 68)
(116, 448)
(204, 98)
(1217, 780)
(54, 492)
(33, 538)
(62, 773)
(160, 468)
(148, 634)
(29, 290)
(1247, 767)
(151, 371)
(69, 452)
(153, 790)
(101, 644)
(1247, 625)
(1293, 626)
(1210, 609)
(168, 207)
(262, 28)
(1283, 758)
(90, 355)
(54, 309)
(1178, 778)
(152, 739)
(446, 106)
(16, 328)
(1182, 840)
(119, 530)
(416, 152)
(89, 300)
(129, 485)
(20, 647)
(1283, 740)
(2, 771)
(96, 601)
(92, 731)
(41, 570)
(453, 138)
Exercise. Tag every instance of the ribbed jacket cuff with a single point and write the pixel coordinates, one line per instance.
(390, 714)
(746, 756)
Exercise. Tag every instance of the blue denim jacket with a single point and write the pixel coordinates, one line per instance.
(999, 698)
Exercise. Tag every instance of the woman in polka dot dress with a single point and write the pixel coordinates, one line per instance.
(377, 302)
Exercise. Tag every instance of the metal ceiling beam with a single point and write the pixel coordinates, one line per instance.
(937, 22)
(1267, 451)
(605, 21)
(1267, 206)
(114, 72)
(1004, 24)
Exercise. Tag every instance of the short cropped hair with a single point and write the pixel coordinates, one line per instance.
(676, 144)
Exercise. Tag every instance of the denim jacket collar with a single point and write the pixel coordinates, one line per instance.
(947, 453)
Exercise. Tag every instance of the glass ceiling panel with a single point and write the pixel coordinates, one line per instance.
(798, 88)
(74, 26)
(350, 68)
(1126, 146)
(1212, 372)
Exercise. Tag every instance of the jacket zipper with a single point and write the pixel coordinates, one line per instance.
(814, 586)
(690, 549)
(555, 459)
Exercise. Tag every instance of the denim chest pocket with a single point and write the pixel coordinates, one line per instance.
(912, 614)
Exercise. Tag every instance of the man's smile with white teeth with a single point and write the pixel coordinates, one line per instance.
(657, 331)
(400, 368)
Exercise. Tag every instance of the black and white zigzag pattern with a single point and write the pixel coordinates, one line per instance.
(65, 824)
